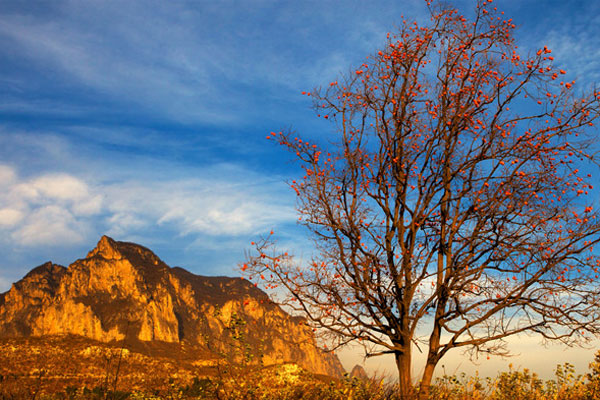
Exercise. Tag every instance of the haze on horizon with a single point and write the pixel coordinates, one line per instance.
(147, 122)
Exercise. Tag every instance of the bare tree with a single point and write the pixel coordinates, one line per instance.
(452, 211)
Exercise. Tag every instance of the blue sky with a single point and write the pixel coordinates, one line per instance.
(147, 120)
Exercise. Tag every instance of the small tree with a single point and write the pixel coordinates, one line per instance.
(452, 211)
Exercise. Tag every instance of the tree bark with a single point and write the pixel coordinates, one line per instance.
(403, 363)
(425, 386)
(432, 356)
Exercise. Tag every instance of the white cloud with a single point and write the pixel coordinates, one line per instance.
(52, 208)
(579, 54)
(575, 44)
(46, 209)
(122, 222)
(200, 206)
(63, 189)
(50, 225)
(60, 186)
(224, 211)
(90, 205)
(156, 60)
(197, 61)
(10, 216)
(7, 175)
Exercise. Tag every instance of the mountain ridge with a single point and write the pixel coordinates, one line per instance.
(123, 292)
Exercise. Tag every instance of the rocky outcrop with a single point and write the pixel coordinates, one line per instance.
(359, 372)
(124, 292)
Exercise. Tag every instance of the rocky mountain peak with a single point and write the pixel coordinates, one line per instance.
(46, 271)
(106, 248)
(110, 249)
(123, 292)
(359, 372)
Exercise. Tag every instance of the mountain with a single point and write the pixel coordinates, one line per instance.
(358, 372)
(122, 294)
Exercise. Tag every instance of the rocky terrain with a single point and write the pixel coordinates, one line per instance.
(122, 298)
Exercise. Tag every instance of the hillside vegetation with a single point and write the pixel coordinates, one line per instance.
(288, 381)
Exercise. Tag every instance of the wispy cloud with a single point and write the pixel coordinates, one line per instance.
(62, 208)
(205, 206)
(50, 225)
(193, 62)
(45, 210)
(577, 50)
(571, 29)
(131, 62)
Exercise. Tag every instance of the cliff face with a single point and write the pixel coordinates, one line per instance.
(124, 292)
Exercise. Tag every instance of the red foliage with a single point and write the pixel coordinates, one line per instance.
(453, 202)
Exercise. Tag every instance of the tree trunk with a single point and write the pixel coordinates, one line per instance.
(425, 385)
(434, 346)
(403, 362)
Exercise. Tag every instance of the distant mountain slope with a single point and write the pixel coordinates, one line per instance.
(122, 292)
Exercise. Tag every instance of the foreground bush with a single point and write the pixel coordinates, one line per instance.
(522, 385)
(289, 382)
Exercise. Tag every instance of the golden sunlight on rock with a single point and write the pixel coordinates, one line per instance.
(123, 295)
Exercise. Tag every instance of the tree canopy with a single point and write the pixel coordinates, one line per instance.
(454, 208)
